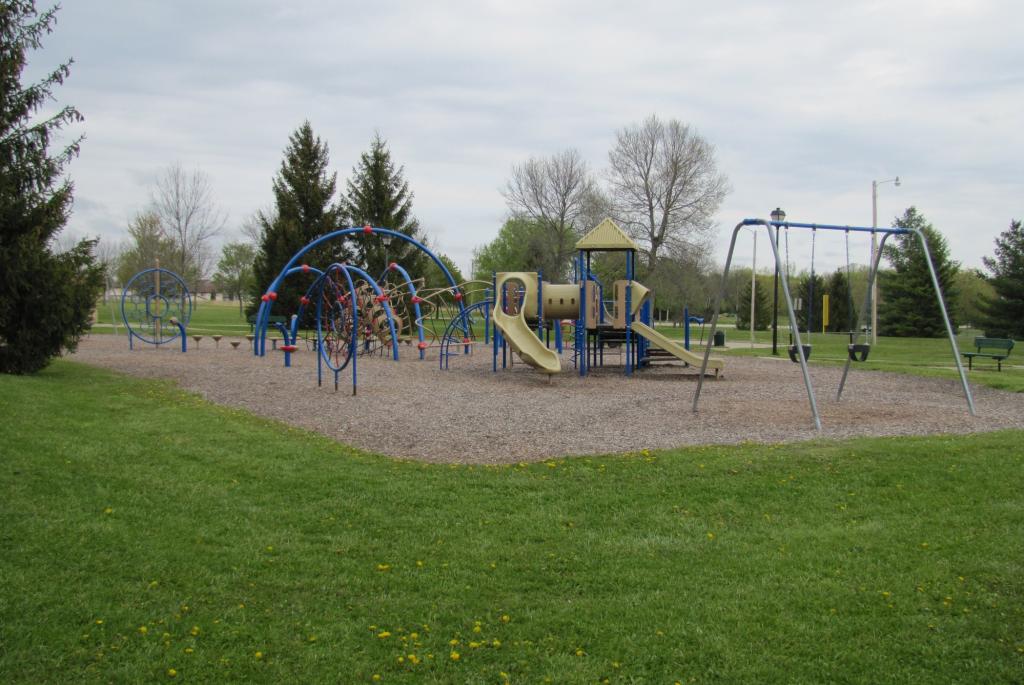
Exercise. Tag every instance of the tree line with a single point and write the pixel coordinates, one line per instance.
(661, 184)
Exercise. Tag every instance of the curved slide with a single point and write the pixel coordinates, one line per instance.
(675, 349)
(521, 338)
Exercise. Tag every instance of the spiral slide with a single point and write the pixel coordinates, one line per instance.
(521, 338)
(675, 349)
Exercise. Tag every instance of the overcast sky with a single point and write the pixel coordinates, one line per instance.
(806, 102)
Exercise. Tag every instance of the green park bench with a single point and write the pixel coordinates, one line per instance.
(271, 320)
(991, 348)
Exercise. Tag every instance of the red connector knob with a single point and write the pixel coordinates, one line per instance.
(458, 296)
(422, 345)
(272, 295)
(305, 268)
(304, 300)
(367, 229)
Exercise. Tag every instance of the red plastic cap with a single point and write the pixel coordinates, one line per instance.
(288, 348)
(458, 296)
(422, 345)
(381, 298)
(367, 229)
(465, 340)
(305, 268)
(392, 266)
(416, 299)
(304, 300)
(272, 295)
(265, 298)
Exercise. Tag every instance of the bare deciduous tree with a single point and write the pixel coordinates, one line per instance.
(559, 194)
(665, 186)
(189, 217)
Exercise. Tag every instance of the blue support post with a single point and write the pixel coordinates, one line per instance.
(686, 328)
(629, 309)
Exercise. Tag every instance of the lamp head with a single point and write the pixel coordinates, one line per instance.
(386, 238)
(778, 215)
(897, 182)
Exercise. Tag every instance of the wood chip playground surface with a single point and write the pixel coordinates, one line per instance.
(468, 414)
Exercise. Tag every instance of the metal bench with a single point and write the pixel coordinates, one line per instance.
(990, 348)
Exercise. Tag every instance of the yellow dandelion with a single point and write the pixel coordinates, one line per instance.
(195, 631)
(375, 677)
(477, 628)
(143, 630)
(99, 621)
(171, 673)
(419, 563)
(711, 536)
(579, 651)
(453, 642)
(886, 595)
(258, 655)
(189, 650)
(505, 618)
(616, 664)
(413, 659)
(496, 643)
(400, 659)
(270, 548)
(454, 656)
(924, 545)
(383, 635)
(383, 567)
(108, 511)
(414, 636)
(474, 645)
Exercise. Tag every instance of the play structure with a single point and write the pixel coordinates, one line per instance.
(156, 307)
(525, 307)
(858, 350)
(356, 314)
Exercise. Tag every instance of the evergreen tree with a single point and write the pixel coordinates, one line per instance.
(907, 306)
(304, 209)
(810, 290)
(842, 311)
(762, 307)
(1004, 313)
(378, 195)
(45, 298)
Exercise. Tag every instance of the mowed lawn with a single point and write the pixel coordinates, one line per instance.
(149, 536)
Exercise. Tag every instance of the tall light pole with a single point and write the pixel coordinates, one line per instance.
(874, 253)
(778, 216)
(386, 239)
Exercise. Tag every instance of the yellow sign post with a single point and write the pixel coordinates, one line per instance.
(824, 312)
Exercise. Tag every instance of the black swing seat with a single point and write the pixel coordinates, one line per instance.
(794, 355)
(859, 353)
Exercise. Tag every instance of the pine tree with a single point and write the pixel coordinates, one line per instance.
(810, 290)
(842, 312)
(304, 209)
(45, 298)
(1004, 313)
(378, 195)
(762, 307)
(907, 305)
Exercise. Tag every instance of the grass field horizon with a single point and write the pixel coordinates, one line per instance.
(152, 536)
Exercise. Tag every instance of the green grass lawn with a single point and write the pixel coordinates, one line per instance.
(146, 530)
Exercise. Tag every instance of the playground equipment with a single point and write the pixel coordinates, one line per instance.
(522, 298)
(156, 307)
(872, 273)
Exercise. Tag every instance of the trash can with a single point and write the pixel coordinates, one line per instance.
(719, 338)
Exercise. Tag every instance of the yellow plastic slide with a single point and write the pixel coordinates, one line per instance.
(522, 339)
(675, 349)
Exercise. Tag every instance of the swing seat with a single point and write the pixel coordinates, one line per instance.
(794, 355)
(858, 353)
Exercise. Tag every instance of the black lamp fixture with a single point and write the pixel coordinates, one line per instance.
(778, 216)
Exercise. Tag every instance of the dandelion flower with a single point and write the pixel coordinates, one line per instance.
(143, 630)
(453, 642)
(171, 673)
(496, 643)
(375, 677)
(195, 631)
(383, 635)
(312, 638)
(711, 536)
(258, 655)
(477, 628)
(505, 618)
(108, 511)
(474, 645)
(413, 659)
(383, 567)
(579, 651)
(455, 656)
(189, 650)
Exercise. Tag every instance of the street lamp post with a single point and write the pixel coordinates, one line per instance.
(386, 239)
(778, 216)
(874, 253)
